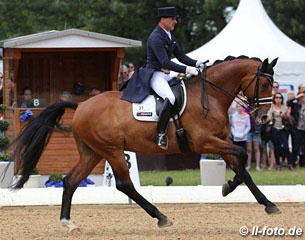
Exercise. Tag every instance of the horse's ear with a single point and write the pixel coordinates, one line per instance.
(274, 61)
(264, 66)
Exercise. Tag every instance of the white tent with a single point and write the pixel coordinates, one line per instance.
(252, 33)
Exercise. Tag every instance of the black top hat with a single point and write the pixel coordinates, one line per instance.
(167, 12)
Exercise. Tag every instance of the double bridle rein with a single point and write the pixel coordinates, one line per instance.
(253, 104)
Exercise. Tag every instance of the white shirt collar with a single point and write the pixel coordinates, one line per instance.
(168, 33)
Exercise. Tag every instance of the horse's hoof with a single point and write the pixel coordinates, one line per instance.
(73, 229)
(273, 210)
(225, 189)
(164, 222)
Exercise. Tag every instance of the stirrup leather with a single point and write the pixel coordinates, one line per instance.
(162, 141)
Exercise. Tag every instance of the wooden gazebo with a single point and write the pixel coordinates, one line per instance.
(52, 62)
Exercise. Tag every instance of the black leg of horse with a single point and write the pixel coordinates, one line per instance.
(125, 185)
(243, 176)
(259, 196)
(237, 162)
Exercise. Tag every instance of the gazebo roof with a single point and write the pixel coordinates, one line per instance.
(70, 38)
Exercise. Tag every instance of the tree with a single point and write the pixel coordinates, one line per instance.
(200, 20)
(289, 17)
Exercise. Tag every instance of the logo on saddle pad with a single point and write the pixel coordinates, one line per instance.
(148, 109)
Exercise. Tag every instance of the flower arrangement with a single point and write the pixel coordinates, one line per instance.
(5, 157)
(34, 172)
(2, 108)
(211, 156)
(4, 124)
(56, 180)
(4, 141)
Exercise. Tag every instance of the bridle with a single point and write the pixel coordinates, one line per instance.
(253, 104)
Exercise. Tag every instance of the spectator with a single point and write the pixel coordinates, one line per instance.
(278, 115)
(289, 95)
(297, 106)
(123, 76)
(65, 97)
(94, 92)
(275, 87)
(291, 122)
(253, 142)
(233, 108)
(240, 126)
(267, 155)
(131, 69)
(26, 95)
(299, 88)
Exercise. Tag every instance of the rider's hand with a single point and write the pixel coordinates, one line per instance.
(191, 70)
(200, 64)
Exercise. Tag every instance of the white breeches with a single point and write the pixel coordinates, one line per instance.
(159, 83)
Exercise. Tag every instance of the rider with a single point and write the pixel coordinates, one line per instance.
(161, 44)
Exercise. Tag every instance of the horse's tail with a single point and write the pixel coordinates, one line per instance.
(30, 143)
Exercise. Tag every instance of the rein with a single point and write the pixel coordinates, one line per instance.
(256, 102)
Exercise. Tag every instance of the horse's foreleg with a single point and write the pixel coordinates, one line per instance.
(243, 176)
(125, 185)
(259, 196)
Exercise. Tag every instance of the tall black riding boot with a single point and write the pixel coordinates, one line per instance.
(164, 116)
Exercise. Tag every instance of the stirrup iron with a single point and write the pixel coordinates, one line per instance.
(162, 141)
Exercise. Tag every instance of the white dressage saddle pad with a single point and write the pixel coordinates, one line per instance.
(146, 110)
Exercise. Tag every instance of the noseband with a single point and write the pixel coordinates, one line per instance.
(255, 102)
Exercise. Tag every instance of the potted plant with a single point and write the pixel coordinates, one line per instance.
(7, 168)
(4, 124)
(5, 157)
(6, 162)
(34, 179)
(212, 170)
(4, 142)
(2, 108)
(66, 128)
(210, 156)
(55, 180)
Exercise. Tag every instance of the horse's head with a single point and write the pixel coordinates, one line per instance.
(258, 89)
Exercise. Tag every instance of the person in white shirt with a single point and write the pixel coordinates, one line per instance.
(240, 126)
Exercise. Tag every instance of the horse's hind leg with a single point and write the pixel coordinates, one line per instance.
(237, 163)
(125, 185)
(88, 160)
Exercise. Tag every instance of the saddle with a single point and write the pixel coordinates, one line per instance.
(149, 109)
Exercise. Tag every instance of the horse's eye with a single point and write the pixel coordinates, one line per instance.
(265, 85)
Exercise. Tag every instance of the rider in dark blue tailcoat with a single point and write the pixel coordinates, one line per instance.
(161, 44)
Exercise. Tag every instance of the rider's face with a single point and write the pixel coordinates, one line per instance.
(168, 23)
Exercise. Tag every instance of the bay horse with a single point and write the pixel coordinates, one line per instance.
(103, 127)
